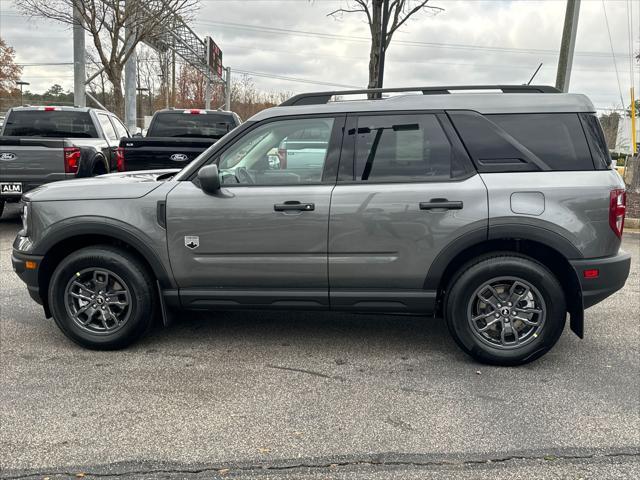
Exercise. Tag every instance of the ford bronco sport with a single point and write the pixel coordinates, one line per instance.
(498, 210)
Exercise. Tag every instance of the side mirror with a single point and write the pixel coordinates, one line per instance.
(209, 178)
(137, 134)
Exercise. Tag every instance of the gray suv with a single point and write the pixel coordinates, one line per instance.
(497, 210)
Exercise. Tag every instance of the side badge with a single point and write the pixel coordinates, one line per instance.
(191, 241)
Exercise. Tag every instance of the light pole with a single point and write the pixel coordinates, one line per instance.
(21, 83)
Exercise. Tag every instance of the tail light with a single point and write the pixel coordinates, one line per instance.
(195, 111)
(617, 208)
(71, 159)
(120, 165)
(282, 156)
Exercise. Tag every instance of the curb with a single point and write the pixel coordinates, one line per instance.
(632, 223)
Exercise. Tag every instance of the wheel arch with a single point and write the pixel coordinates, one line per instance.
(554, 255)
(66, 239)
(90, 157)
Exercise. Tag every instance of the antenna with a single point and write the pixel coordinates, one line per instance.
(534, 74)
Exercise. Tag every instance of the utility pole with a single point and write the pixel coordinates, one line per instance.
(227, 90)
(79, 63)
(207, 92)
(130, 84)
(568, 45)
(22, 84)
(383, 41)
(173, 78)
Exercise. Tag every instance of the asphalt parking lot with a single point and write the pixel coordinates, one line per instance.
(301, 395)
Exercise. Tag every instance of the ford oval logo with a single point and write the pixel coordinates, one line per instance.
(8, 156)
(179, 157)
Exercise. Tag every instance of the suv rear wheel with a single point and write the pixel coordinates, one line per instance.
(505, 309)
(102, 297)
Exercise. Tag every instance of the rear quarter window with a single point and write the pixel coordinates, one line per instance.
(524, 142)
(555, 138)
(597, 141)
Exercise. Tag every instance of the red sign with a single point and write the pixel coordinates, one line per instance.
(214, 56)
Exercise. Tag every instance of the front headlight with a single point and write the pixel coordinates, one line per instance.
(25, 219)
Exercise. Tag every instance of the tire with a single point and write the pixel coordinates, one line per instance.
(98, 169)
(471, 308)
(121, 314)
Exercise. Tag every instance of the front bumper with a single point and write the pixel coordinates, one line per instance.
(612, 275)
(28, 276)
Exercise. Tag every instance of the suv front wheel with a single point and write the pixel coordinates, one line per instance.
(102, 297)
(505, 309)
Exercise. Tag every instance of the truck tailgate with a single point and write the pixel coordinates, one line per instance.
(31, 161)
(162, 152)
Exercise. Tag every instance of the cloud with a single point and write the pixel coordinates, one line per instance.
(505, 43)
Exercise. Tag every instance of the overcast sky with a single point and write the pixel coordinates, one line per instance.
(470, 42)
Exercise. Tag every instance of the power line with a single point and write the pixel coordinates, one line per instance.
(358, 39)
(247, 72)
(613, 55)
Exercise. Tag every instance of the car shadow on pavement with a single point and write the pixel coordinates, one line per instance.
(312, 332)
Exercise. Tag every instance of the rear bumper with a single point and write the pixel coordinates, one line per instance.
(28, 185)
(612, 275)
(28, 276)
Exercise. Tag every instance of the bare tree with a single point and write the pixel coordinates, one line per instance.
(384, 19)
(105, 21)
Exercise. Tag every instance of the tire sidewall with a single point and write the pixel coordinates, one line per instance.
(121, 265)
(478, 274)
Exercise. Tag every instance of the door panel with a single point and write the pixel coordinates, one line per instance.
(406, 190)
(380, 238)
(261, 240)
(244, 243)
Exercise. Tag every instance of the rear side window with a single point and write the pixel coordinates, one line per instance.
(120, 128)
(401, 148)
(179, 124)
(107, 127)
(555, 138)
(55, 123)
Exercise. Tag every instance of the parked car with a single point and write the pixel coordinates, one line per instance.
(174, 138)
(39, 145)
(498, 211)
(305, 148)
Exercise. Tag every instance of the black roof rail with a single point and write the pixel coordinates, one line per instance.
(318, 98)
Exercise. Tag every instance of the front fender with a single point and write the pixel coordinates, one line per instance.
(74, 227)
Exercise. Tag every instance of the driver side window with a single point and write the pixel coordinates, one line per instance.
(284, 152)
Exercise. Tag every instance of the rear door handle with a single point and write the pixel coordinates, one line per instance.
(293, 205)
(441, 203)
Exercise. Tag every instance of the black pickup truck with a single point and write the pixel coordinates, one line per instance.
(175, 137)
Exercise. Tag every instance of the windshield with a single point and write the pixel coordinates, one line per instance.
(179, 124)
(40, 123)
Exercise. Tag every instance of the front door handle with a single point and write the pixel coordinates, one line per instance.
(441, 203)
(293, 205)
